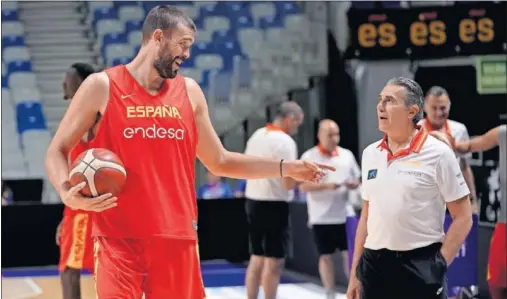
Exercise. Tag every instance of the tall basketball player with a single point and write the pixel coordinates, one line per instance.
(157, 122)
(73, 234)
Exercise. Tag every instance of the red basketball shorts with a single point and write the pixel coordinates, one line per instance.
(497, 264)
(158, 267)
(76, 243)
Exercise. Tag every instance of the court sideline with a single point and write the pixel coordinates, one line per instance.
(222, 281)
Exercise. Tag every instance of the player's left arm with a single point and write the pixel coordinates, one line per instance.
(224, 163)
(481, 143)
(456, 193)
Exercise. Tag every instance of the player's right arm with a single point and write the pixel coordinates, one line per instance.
(90, 98)
(481, 143)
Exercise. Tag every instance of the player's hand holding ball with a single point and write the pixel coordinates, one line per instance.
(96, 177)
(76, 201)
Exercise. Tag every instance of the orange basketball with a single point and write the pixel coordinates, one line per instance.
(102, 171)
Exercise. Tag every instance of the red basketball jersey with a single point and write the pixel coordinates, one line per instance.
(155, 136)
(74, 152)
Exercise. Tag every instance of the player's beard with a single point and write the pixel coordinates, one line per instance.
(164, 66)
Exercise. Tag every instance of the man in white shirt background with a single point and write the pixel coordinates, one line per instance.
(267, 206)
(408, 180)
(437, 105)
(328, 201)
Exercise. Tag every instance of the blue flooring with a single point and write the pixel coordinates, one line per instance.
(214, 275)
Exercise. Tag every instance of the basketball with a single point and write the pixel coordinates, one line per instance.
(101, 169)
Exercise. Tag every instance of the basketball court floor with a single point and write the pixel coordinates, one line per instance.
(222, 281)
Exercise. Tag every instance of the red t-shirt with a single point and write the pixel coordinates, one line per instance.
(155, 136)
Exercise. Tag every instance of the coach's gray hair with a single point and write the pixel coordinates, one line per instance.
(437, 91)
(413, 94)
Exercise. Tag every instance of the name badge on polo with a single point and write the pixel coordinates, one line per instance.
(372, 173)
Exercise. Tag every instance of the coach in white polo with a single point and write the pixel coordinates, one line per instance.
(328, 201)
(267, 204)
(408, 179)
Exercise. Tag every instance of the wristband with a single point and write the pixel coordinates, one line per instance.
(281, 172)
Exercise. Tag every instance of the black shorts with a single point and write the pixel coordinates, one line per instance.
(414, 274)
(268, 223)
(329, 237)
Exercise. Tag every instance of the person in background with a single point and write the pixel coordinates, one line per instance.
(215, 188)
(328, 201)
(73, 234)
(6, 194)
(267, 206)
(240, 188)
(497, 264)
(437, 105)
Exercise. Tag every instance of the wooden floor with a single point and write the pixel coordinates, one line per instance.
(222, 281)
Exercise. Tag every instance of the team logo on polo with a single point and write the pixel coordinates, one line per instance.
(372, 173)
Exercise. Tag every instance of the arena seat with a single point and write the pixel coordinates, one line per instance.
(134, 38)
(131, 13)
(20, 80)
(133, 25)
(19, 66)
(12, 28)
(22, 95)
(115, 51)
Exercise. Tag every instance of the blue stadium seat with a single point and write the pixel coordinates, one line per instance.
(287, 8)
(204, 83)
(19, 66)
(12, 41)
(114, 38)
(237, 7)
(211, 10)
(133, 25)
(202, 48)
(223, 36)
(228, 49)
(5, 81)
(243, 21)
(105, 13)
(30, 117)
(9, 15)
(269, 22)
(127, 3)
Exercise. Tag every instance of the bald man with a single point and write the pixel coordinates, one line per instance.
(437, 105)
(267, 204)
(328, 201)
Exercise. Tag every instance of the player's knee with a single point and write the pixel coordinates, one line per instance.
(274, 266)
(256, 263)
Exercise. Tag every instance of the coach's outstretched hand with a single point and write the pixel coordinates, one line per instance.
(305, 170)
(73, 199)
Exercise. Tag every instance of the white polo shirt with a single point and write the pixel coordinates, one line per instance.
(457, 130)
(331, 207)
(269, 142)
(408, 192)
